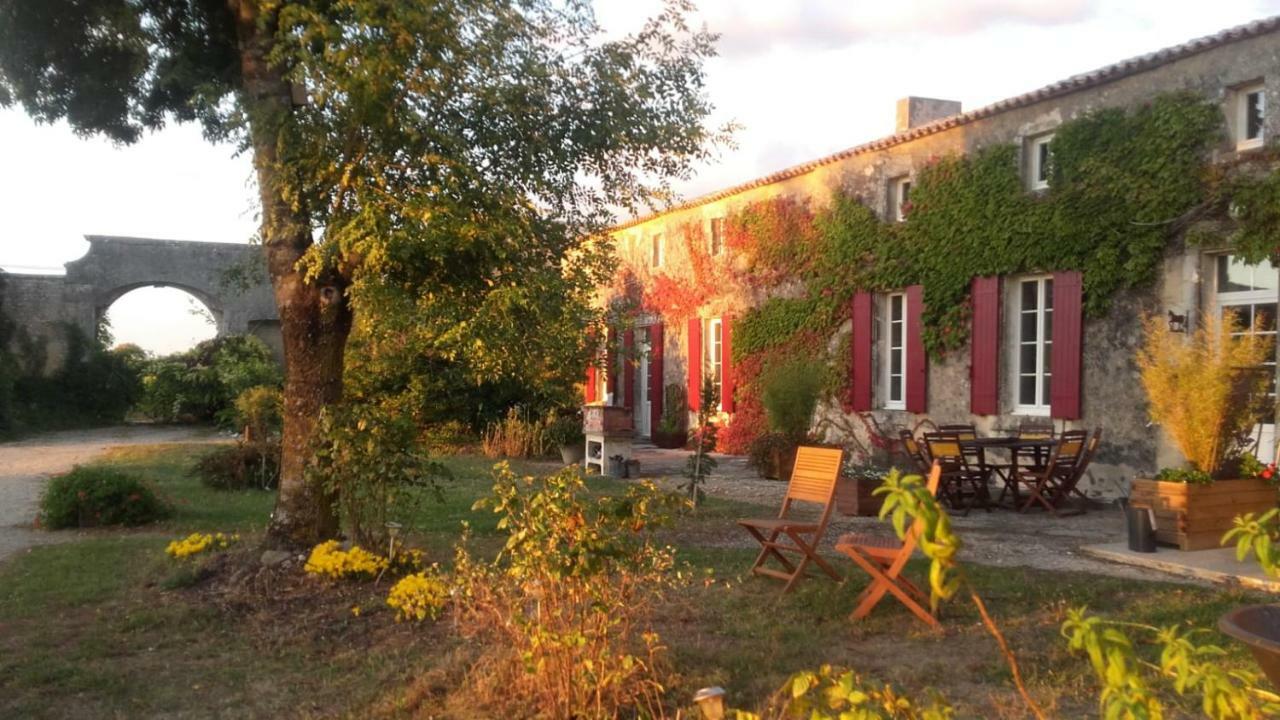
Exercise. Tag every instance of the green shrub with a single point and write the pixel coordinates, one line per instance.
(203, 383)
(566, 430)
(369, 458)
(259, 409)
(675, 410)
(243, 466)
(790, 395)
(92, 496)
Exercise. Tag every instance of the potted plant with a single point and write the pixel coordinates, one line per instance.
(856, 494)
(789, 394)
(565, 432)
(1204, 391)
(672, 430)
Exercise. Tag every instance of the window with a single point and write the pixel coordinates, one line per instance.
(655, 251)
(715, 244)
(1039, 161)
(899, 198)
(1249, 113)
(895, 351)
(1236, 276)
(713, 362)
(1035, 345)
(1249, 292)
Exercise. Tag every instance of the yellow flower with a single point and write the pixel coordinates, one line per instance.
(196, 543)
(419, 596)
(330, 560)
(355, 610)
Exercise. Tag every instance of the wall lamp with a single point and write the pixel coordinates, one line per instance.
(1177, 323)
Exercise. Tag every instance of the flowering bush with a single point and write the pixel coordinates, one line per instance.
(196, 543)
(330, 560)
(419, 596)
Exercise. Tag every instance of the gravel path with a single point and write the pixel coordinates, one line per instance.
(25, 465)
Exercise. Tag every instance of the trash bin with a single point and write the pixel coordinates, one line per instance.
(617, 467)
(1142, 531)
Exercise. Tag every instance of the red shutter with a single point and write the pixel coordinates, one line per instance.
(694, 359)
(917, 370)
(591, 384)
(984, 352)
(1068, 327)
(628, 368)
(656, 389)
(860, 371)
(727, 380)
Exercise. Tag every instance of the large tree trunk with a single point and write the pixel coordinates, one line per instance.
(315, 317)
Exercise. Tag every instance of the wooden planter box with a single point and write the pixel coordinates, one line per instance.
(1194, 517)
(854, 497)
(601, 419)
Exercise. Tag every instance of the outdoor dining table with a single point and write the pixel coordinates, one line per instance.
(1039, 448)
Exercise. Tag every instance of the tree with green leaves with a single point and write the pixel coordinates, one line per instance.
(436, 171)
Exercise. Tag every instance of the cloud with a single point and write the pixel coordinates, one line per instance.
(748, 29)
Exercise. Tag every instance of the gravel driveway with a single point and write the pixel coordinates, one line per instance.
(25, 465)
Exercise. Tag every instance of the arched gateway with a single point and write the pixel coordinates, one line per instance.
(230, 279)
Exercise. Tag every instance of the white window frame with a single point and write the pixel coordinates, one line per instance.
(1247, 298)
(713, 358)
(1035, 165)
(657, 250)
(899, 196)
(1044, 348)
(1241, 114)
(715, 236)
(889, 349)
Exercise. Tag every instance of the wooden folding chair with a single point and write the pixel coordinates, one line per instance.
(812, 481)
(884, 560)
(1045, 485)
(1071, 486)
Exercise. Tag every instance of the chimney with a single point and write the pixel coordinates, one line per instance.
(916, 111)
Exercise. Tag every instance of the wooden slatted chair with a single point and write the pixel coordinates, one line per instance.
(812, 481)
(1045, 485)
(1071, 485)
(961, 479)
(914, 451)
(884, 560)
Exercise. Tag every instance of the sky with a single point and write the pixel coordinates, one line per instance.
(802, 78)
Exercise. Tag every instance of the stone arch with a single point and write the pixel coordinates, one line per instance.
(230, 279)
(210, 301)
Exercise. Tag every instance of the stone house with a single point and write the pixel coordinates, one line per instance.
(1032, 353)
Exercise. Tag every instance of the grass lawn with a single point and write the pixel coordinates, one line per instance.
(107, 626)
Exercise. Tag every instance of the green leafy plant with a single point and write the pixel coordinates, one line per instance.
(1257, 535)
(567, 604)
(371, 462)
(1189, 476)
(94, 496)
(243, 466)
